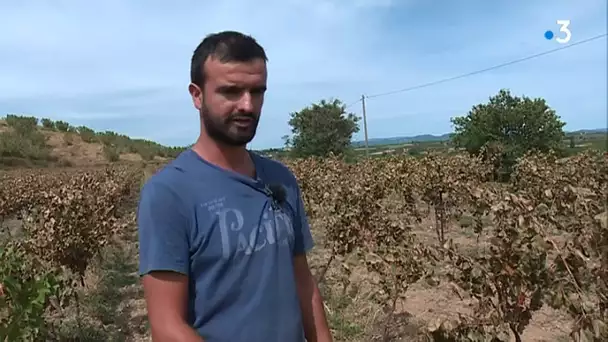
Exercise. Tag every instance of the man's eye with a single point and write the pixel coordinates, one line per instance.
(258, 91)
(236, 91)
(231, 90)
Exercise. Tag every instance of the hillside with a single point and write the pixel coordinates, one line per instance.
(28, 141)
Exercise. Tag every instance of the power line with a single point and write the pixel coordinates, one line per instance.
(363, 97)
(352, 103)
(424, 85)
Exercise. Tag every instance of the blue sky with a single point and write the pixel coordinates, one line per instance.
(123, 65)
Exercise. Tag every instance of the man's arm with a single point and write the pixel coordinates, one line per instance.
(316, 328)
(314, 320)
(166, 296)
(164, 262)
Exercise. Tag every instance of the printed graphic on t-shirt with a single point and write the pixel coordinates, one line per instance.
(275, 226)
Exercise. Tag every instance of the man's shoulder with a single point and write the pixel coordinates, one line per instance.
(169, 179)
(276, 168)
(165, 177)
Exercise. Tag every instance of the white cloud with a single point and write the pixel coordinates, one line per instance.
(120, 61)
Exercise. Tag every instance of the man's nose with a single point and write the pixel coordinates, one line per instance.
(246, 102)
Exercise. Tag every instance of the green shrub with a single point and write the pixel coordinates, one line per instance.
(48, 124)
(30, 146)
(62, 126)
(86, 134)
(111, 153)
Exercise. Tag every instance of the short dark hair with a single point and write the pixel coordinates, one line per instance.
(227, 46)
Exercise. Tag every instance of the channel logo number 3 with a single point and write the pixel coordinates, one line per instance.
(564, 28)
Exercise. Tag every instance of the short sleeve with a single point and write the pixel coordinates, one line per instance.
(163, 230)
(303, 238)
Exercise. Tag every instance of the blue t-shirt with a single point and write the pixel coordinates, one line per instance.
(233, 240)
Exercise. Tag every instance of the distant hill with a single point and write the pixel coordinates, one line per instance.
(444, 137)
(404, 140)
(29, 141)
(589, 131)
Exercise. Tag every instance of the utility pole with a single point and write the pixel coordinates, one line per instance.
(365, 125)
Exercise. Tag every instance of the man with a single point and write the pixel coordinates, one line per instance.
(223, 233)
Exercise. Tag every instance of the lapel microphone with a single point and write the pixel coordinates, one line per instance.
(277, 193)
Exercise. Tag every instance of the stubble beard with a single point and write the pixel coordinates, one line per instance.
(221, 129)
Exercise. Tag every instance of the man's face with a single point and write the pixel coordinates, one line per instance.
(231, 100)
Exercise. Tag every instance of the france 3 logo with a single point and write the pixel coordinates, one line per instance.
(563, 28)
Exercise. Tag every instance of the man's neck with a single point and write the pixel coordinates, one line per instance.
(234, 158)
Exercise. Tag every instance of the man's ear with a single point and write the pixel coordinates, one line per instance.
(197, 95)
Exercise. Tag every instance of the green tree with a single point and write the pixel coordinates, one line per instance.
(509, 126)
(321, 129)
(22, 124)
(62, 126)
(86, 134)
(48, 123)
(572, 143)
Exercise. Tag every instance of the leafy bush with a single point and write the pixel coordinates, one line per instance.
(48, 124)
(62, 126)
(86, 134)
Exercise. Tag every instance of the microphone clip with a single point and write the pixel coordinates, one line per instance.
(277, 194)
